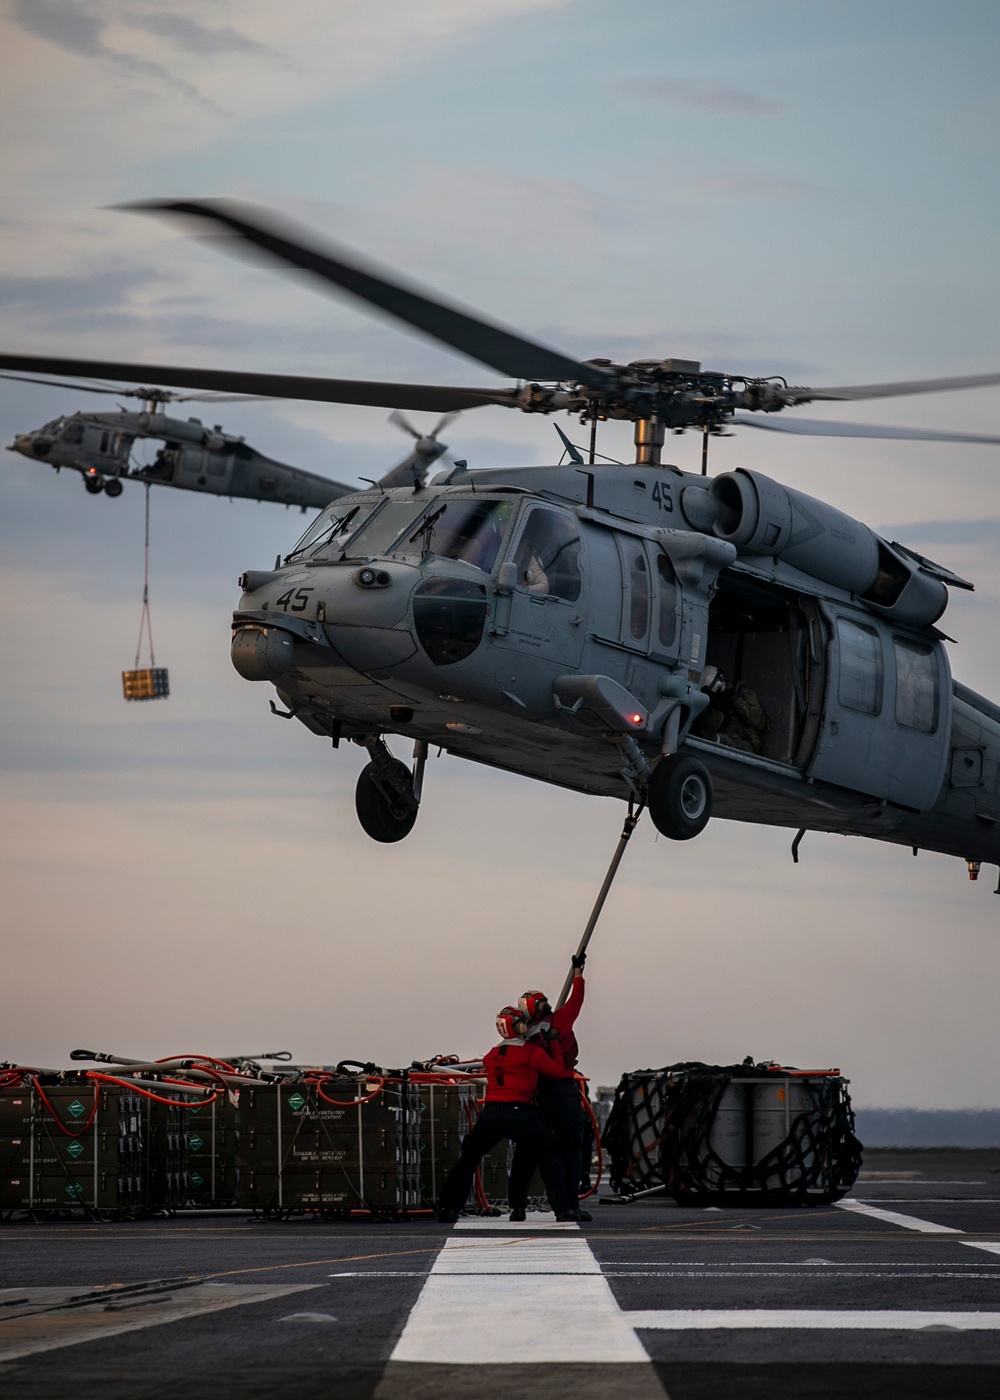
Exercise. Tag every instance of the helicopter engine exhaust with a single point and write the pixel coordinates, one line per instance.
(262, 653)
(761, 517)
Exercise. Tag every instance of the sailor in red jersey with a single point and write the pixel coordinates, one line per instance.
(560, 1104)
(512, 1074)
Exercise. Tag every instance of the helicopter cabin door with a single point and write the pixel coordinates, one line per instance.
(546, 606)
(887, 717)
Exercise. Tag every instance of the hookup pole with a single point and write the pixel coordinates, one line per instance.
(631, 822)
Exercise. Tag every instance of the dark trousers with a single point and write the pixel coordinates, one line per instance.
(521, 1124)
(561, 1110)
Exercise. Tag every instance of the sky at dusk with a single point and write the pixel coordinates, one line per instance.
(768, 187)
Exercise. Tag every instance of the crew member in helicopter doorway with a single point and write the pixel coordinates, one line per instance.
(560, 1105)
(512, 1072)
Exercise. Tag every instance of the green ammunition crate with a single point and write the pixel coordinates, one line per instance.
(288, 1109)
(64, 1191)
(333, 1190)
(213, 1139)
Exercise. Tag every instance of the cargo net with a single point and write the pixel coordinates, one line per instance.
(660, 1129)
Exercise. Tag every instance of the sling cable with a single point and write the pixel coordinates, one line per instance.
(150, 682)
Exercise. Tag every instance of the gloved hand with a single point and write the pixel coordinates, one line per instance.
(578, 960)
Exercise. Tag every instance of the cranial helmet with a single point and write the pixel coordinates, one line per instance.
(712, 680)
(534, 1005)
(511, 1023)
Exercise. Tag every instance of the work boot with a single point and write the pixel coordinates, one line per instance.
(447, 1217)
(584, 1215)
(569, 1215)
(517, 1213)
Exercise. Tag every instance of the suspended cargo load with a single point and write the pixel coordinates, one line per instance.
(152, 683)
(760, 1134)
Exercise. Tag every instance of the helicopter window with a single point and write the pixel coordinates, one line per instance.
(104, 442)
(73, 432)
(860, 685)
(916, 685)
(638, 614)
(548, 555)
(335, 520)
(472, 531)
(382, 529)
(667, 589)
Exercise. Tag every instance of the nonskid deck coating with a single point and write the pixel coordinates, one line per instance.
(897, 1297)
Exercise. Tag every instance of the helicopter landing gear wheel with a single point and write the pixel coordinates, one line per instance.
(113, 487)
(94, 484)
(385, 818)
(680, 797)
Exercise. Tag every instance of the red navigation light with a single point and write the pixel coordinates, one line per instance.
(636, 719)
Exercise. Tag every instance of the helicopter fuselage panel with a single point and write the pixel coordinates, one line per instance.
(458, 614)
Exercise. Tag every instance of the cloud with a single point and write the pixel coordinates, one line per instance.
(78, 293)
(62, 23)
(79, 31)
(185, 33)
(689, 92)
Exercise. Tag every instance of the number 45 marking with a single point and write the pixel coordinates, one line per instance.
(293, 601)
(662, 497)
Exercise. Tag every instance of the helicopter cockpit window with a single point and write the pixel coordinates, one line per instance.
(860, 685)
(381, 530)
(548, 555)
(73, 432)
(336, 521)
(916, 685)
(472, 531)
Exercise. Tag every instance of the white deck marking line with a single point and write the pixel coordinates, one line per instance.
(543, 1300)
(535, 1220)
(991, 1245)
(893, 1217)
(95, 1324)
(889, 1320)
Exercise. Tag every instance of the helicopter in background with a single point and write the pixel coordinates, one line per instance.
(572, 623)
(100, 446)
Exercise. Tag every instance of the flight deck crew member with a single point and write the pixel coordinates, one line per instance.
(560, 1105)
(512, 1074)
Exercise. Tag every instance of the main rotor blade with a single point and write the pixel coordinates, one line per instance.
(84, 388)
(491, 345)
(435, 398)
(60, 384)
(906, 386)
(814, 427)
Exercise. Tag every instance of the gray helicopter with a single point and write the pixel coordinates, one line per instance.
(193, 457)
(687, 643)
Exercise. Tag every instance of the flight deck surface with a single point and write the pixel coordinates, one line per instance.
(893, 1293)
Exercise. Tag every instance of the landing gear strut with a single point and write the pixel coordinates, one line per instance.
(387, 797)
(94, 484)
